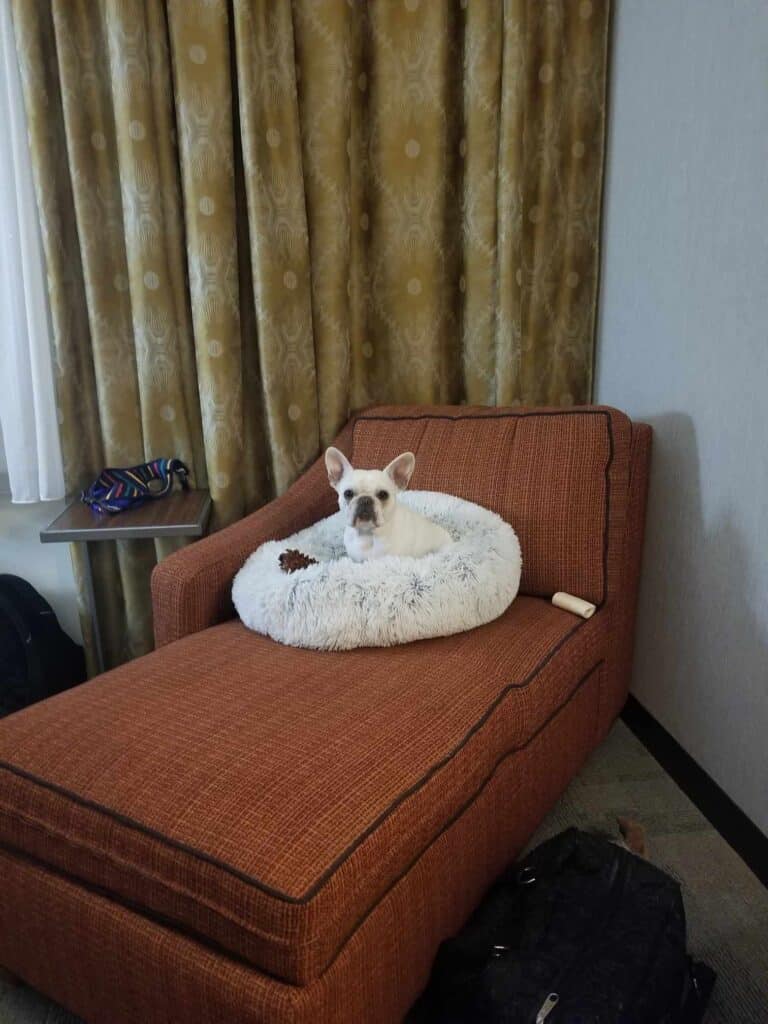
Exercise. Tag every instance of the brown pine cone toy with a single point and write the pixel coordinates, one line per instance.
(293, 560)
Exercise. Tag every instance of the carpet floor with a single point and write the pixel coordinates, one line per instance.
(727, 907)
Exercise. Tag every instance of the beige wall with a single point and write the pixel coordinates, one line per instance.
(47, 567)
(683, 344)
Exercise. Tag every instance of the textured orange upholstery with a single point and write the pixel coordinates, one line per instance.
(114, 965)
(295, 786)
(230, 829)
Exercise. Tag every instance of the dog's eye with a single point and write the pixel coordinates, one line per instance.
(382, 495)
(349, 494)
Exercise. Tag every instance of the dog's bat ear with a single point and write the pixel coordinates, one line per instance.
(337, 465)
(401, 469)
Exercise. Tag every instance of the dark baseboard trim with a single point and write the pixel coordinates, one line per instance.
(730, 821)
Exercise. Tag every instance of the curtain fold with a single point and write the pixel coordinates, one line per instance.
(260, 215)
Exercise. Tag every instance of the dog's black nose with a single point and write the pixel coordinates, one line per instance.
(364, 508)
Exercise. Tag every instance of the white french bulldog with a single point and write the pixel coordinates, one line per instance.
(377, 524)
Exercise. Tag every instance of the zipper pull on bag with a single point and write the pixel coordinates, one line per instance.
(547, 1007)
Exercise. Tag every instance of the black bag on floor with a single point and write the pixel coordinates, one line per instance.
(583, 932)
(37, 658)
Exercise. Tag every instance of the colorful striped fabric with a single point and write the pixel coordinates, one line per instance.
(115, 490)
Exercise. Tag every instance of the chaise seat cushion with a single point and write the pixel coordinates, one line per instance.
(264, 798)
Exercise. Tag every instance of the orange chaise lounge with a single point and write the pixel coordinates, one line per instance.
(229, 830)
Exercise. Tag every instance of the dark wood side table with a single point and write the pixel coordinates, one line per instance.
(179, 514)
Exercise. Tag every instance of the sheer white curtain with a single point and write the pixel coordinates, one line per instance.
(27, 406)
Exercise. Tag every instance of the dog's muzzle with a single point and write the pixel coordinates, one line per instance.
(365, 511)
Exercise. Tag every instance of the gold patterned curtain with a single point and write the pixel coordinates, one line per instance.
(261, 214)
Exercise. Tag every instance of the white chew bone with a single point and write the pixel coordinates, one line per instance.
(569, 603)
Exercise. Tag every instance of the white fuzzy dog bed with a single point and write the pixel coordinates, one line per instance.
(339, 604)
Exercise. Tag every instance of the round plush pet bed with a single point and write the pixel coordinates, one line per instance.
(337, 604)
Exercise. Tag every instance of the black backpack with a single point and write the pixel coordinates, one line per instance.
(583, 932)
(37, 658)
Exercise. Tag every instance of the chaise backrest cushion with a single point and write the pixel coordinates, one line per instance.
(559, 476)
